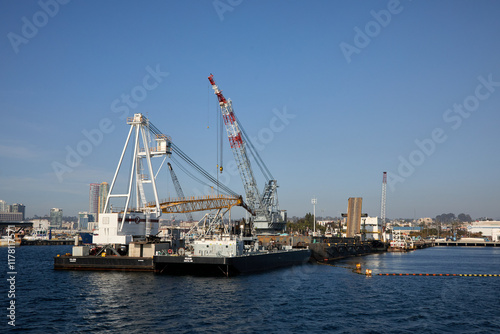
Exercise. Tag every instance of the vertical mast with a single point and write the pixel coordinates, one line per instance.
(382, 202)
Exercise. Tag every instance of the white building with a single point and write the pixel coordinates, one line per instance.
(92, 226)
(490, 229)
(372, 228)
(426, 220)
(323, 222)
(4, 207)
(113, 228)
(40, 224)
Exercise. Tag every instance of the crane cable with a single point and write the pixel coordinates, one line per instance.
(188, 173)
(255, 154)
(203, 172)
(153, 129)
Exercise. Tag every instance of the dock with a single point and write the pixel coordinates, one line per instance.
(467, 243)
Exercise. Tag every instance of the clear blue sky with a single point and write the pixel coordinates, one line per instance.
(359, 101)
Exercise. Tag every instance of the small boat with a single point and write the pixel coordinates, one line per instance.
(401, 242)
(6, 241)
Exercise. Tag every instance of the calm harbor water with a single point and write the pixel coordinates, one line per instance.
(305, 299)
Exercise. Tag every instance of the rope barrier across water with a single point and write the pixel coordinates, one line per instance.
(368, 272)
(466, 275)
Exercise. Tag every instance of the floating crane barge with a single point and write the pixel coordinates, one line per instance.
(127, 240)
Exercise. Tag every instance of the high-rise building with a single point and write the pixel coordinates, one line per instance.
(4, 207)
(56, 218)
(20, 208)
(94, 198)
(83, 220)
(103, 195)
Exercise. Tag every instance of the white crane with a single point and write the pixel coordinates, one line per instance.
(125, 224)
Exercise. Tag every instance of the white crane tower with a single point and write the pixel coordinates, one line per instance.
(136, 219)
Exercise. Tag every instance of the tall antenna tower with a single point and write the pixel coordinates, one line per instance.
(382, 202)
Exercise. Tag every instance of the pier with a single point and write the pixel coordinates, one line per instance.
(466, 243)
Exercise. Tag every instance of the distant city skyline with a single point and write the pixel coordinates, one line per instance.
(180, 216)
(331, 93)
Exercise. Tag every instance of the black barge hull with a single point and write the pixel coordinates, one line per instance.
(119, 263)
(230, 266)
(185, 265)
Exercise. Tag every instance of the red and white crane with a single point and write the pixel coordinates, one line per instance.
(268, 217)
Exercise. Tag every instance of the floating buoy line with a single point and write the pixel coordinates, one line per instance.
(455, 275)
(368, 272)
(356, 270)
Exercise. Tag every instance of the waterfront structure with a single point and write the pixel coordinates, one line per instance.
(56, 218)
(354, 205)
(94, 199)
(371, 228)
(489, 229)
(40, 224)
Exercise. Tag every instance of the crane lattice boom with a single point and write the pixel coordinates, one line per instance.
(239, 150)
(268, 217)
(178, 189)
